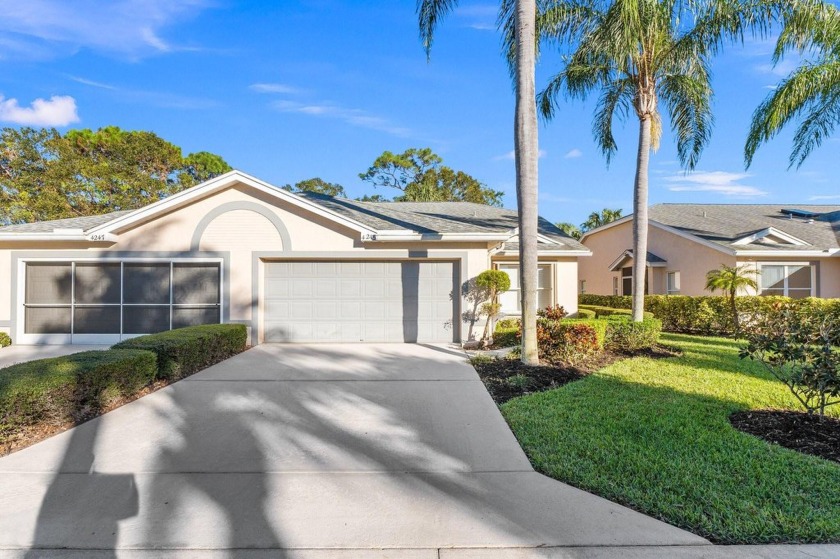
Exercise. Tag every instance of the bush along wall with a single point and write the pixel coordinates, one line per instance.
(711, 314)
(185, 351)
(70, 388)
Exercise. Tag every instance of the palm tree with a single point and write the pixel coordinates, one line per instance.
(638, 54)
(596, 219)
(731, 280)
(570, 229)
(526, 148)
(811, 93)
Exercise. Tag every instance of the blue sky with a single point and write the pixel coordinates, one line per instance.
(296, 89)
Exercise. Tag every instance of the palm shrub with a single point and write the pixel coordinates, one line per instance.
(641, 56)
(731, 280)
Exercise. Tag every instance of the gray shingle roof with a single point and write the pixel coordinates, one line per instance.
(437, 217)
(84, 223)
(724, 224)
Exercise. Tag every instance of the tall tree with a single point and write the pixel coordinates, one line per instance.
(811, 93)
(636, 54)
(44, 175)
(597, 219)
(421, 177)
(570, 229)
(318, 186)
(523, 14)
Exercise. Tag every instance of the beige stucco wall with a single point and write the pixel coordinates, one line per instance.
(692, 260)
(565, 279)
(242, 232)
(827, 272)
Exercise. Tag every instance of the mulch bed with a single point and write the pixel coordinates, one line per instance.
(809, 434)
(506, 379)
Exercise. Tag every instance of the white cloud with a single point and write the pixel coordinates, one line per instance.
(92, 83)
(573, 154)
(272, 88)
(354, 117)
(481, 17)
(59, 110)
(824, 197)
(720, 182)
(511, 155)
(127, 27)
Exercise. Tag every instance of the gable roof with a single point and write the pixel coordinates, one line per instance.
(652, 260)
(744, 229)
(376, 221)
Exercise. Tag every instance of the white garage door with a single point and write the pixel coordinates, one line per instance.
(393, 301)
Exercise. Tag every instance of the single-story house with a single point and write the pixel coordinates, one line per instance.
(292, 267)
(794, 248)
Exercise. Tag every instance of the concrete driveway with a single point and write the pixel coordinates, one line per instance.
(378, 450)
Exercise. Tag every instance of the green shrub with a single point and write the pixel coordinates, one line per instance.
(585, 313)
(185, 351)
(69, 388)
(625, 335)
(710, 314)
(567, 342)
(506, 323)
(601, 312)
(5, 340)
(506, 337)
(600, 327)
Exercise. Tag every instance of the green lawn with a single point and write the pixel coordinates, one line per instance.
(654, 435)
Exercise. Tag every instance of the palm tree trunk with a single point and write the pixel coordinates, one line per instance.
(526, 145)
(640, 220)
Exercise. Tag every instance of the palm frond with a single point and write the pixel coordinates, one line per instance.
(616, 100)
(806, 91)
(809, 25)
(688, 100)
(815, 128)
(429, 14)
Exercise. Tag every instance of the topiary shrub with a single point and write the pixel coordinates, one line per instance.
(622, 334)
(70, 388)
(566, 342)
(185, 351)
(5, 340)
(506, 337)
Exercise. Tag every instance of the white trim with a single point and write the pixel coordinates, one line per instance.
(21, 337)
(770, 232)
(789, 253)
(224, 181)
(379, 237)
(628, 255)
(760, 265)
(570, 252)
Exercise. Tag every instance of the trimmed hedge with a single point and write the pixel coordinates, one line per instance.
(602, 312)
(185, 351)
(625, 335)
(599, 326)
(5, 340)
(506, 337)
(586, 313)
(566, 341)
(712, 314)
(68, 388)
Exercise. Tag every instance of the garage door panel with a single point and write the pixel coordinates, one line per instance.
(387, 301)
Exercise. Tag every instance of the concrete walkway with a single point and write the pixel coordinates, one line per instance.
(378, 450)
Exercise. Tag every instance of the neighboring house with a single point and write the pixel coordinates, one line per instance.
(795, 249)
(292, 267)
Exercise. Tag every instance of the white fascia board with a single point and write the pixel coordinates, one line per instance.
(48, 237)
(223, 181)
(771, 232)
(788, 253)
(548, 253)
